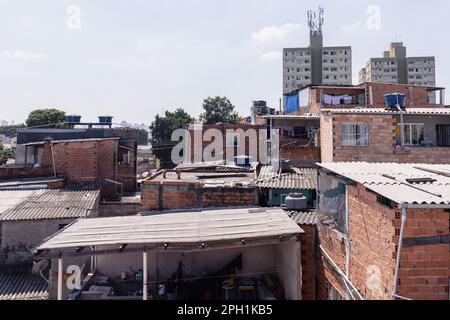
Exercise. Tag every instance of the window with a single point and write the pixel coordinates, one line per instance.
(355, 134)
(443, 135)
(414, 134)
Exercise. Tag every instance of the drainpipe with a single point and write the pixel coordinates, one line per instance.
(402, 127)
(53, 160)
(404, 208)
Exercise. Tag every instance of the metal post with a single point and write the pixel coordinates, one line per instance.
(399, 250)
(60, 278)
(145, 276)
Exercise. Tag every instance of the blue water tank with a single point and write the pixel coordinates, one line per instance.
(105, 119)
(72, 118)
(394, 99)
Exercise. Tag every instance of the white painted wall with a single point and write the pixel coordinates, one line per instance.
(256, 261)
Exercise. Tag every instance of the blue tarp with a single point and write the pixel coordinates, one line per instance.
(291, 103)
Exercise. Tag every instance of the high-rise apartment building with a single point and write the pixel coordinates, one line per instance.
(396, 67)
(316, 64)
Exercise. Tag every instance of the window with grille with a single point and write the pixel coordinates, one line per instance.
(443, 135)
(355, 134)
(414, 134)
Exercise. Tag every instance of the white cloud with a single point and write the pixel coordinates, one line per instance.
(271, 56)
(21, 55)
(276, 33)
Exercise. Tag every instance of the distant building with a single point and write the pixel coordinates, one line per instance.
(316, 64)
(396, 67)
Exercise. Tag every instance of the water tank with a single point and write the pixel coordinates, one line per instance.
(243, 161)
(260, 103)
(394, 99)
(105, 119)
(296, 202)
(73, 118)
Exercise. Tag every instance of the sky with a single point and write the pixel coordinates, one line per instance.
(133, 59)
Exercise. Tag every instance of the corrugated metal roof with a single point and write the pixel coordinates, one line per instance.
(306, 218)
(18, 283)
(182, 229)
(384, 111)
(301, 178)
(40, 204)
(393, 180)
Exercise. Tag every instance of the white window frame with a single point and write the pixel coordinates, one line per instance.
(355, 134)
(408, 136)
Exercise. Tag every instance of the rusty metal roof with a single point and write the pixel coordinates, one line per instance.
(18, 283)
(412, 184)
(22, 203)
(299, 178)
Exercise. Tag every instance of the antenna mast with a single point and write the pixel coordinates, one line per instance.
(316, 20)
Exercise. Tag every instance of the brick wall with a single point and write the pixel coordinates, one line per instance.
(183, 195)
(308, 256)
(301, 154)
(83, 162)
(424, 271)
(223, 128)
(382, 142)
(225, 197)
(417, 97)
(22, 172)
(119, 209)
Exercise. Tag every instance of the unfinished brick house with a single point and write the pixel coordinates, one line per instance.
(191, 187)
(375, 135)
(384, 231)
(106, 157)
(299, 136)
(313, 99)
(234, 140)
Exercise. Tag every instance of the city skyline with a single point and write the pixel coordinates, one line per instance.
(132, 61)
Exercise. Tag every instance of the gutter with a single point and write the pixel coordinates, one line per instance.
(404, 208)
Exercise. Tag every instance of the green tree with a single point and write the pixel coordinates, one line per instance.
(219, 110)
(142, 137)
(163, 127)
(43, 117)
(10, 131)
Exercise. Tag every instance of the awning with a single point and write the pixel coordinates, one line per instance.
(174, 231)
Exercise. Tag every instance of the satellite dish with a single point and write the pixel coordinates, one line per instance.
(40, 267)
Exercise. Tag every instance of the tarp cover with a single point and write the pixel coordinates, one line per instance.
(291, 103)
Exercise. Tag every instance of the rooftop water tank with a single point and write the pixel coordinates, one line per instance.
(243, 161)
(394, 99)
(73, 118)
(105, 119)
(296, 202)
